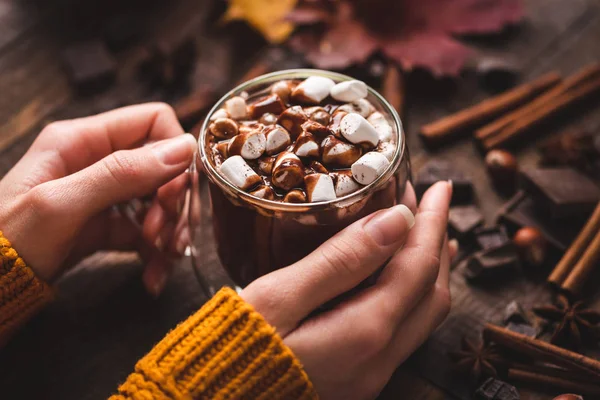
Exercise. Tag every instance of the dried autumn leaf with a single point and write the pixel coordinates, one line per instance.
(266, 16)
(414, 33)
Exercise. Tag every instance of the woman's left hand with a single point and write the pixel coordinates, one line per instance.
(56, 204)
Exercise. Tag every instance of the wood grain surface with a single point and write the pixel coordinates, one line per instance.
(86, 342)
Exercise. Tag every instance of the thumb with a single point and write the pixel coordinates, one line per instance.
(126, 174)
(334, 268)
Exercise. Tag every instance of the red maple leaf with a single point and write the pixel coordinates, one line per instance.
(414, 33)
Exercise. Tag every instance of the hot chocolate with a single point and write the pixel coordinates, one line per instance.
(294, 157)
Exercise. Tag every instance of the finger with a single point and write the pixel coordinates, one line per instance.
(172, 195)
(119, 177)
(82, 142)
(157, 270)
(445, 261)
(335, 267)
(154, 222)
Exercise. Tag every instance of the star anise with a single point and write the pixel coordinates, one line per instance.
(477, 359)
(576, 324)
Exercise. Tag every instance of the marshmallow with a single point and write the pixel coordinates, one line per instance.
(268, 119)
(387, 149)
(369, 167)
(292, 120)
(318, 114)
(250, 145)
(288, 171)
(277, 140)
(362, 107)
(358, 130)
(220, 113)
(349, 91)
(334, 125)
(318, 167)
(319, 187)
(306, 146)
(382, 126)
(295, 196)
(338, 152)
(269, 104)
(312, 90)
(239, 173)
(265, 164)
(316, 129)
(236, 107)
(344, 183)
(283, 89)
(263, 192)
(224, 128)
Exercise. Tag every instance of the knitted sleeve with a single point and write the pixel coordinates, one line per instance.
(21, 293)
(226, 350)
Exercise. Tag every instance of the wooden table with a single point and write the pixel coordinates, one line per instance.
(85, 343)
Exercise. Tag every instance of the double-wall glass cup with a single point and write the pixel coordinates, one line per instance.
(255, 236)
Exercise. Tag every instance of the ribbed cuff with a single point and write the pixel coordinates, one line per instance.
(21, 293)
(226, 350)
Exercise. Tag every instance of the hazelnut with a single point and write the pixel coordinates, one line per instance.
(224, 128)
(502, 167)
(568, 396)
(295, 196)
(531, 245)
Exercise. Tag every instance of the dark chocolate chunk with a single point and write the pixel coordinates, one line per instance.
(561, 191)
(492, 265)
(463, 220)
(522, 211)
(441, 170)
(524, 329)
(514, 313)
(90, 66)
(491, 237)
(495, 389)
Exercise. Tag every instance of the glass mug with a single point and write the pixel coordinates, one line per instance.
(257, 236)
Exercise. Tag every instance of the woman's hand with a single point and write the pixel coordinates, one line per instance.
(351, 351)
(56, 203)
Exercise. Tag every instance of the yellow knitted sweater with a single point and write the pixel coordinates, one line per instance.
(226, 350)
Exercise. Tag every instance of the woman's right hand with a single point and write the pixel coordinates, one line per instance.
(351, 351)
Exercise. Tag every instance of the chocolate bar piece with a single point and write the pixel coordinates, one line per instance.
(463, 220)
(441, 170)
(522, 211)
(90, 66)
(491, 237)
(492, 264)
(495, 389)
(563, 192)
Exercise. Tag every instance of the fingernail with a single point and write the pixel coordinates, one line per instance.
(450, 187)
(175, 151)
(385, 228)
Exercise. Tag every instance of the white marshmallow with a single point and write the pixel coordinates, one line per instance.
(319, 187)
(387, 149)
(236, 107)
(361, 106)
(277, 140)
(306, 145)
(282, 89)
(249, 145)
(382, 126)
(345, 184)
(239, 173)
(356, 129)
(349, 91)
(220, 113)
(313, 89)
(369, 167)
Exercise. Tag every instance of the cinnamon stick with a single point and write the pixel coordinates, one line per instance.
(488, 109)
(554, 106)
(577, 248)
(542, 351)
(393, 87)
(566, 384)
(585, 74)
(588, 262)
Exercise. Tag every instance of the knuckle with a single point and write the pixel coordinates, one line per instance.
(43, 199)
(54, 129)
(373, 336)
(122, 166)
(342, 257)
(164, 109)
